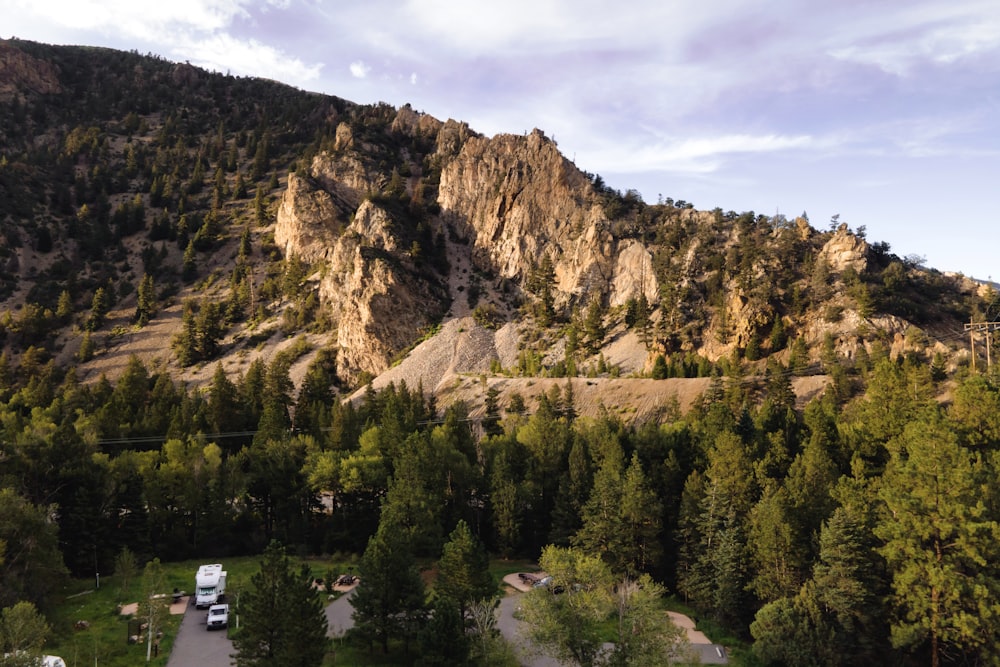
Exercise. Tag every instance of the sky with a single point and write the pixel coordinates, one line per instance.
(885, 113)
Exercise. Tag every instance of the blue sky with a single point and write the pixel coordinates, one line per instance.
(886, 113)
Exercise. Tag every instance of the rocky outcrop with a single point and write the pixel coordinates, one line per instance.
(342, 174)
(845, 250)
(518, 199)
(633, 274)
(380, 308)
(309, 221)
(451, 137)
(20, 74)
(379, 302)
(408, 121)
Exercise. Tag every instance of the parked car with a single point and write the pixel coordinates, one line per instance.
(218, 616)
(544, 583)
(346, 579)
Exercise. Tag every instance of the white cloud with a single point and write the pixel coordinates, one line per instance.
(940, 33)
(223, 52)
(698, 155)
(137, 20)
(359, 70)
(192, 30)
(413, 79)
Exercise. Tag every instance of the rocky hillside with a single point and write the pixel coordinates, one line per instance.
(192, 218)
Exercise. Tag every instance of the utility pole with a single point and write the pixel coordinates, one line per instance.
(985, 327)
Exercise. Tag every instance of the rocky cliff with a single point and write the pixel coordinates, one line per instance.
(117, 165)
(20, 74)
(518, 199)
(512, 199)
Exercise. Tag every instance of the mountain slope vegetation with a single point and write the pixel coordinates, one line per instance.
(232, 311)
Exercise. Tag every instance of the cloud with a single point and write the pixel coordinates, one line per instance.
(359, 70)
(223, 52)
(199, 31)
(413, 79)
(941, 34)
(138, 20)
(697, 155)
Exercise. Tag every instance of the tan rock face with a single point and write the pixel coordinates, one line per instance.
(845, 250)
(381, 311)
(412, 123)
(343, 176)
(518, 199)
(344, 139)
(633, 274)
(308, 222)
(451, 136)
(21, 72)
(378, 302)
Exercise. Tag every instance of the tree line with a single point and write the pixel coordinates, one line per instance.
(865, 529)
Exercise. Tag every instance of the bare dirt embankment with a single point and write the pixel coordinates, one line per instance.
(454, 365)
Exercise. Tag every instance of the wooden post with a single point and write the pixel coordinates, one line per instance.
(989, 361)
(972, 343)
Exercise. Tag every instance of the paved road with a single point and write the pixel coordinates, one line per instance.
(195, 646)
(338, 615)
(513, 631)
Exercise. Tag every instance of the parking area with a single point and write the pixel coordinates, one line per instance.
(701, 649)
(196, 646)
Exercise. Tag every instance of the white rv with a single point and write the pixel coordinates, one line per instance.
(210, 585)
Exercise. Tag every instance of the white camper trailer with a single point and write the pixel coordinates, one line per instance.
(210, 585)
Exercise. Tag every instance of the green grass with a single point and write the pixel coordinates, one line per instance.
(106, 640)
(501, 568)
(349, 652)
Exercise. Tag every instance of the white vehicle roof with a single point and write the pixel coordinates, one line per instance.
(208, 575)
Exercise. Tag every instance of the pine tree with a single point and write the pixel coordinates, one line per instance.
(505, 505)
(640, 514)
(223, 403)
(443, 639)
(189, 268)
(463, 570)
(99, 307)
(64, 309)
(86, 351)
(593, 326)
(389, 601)
(146, 306)
(185, 343)
(939, 544)
(282, 623)
(274, 419)
(778, 556)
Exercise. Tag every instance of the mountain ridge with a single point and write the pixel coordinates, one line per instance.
(363, 229)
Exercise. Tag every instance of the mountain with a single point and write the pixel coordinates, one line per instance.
(192, 218)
